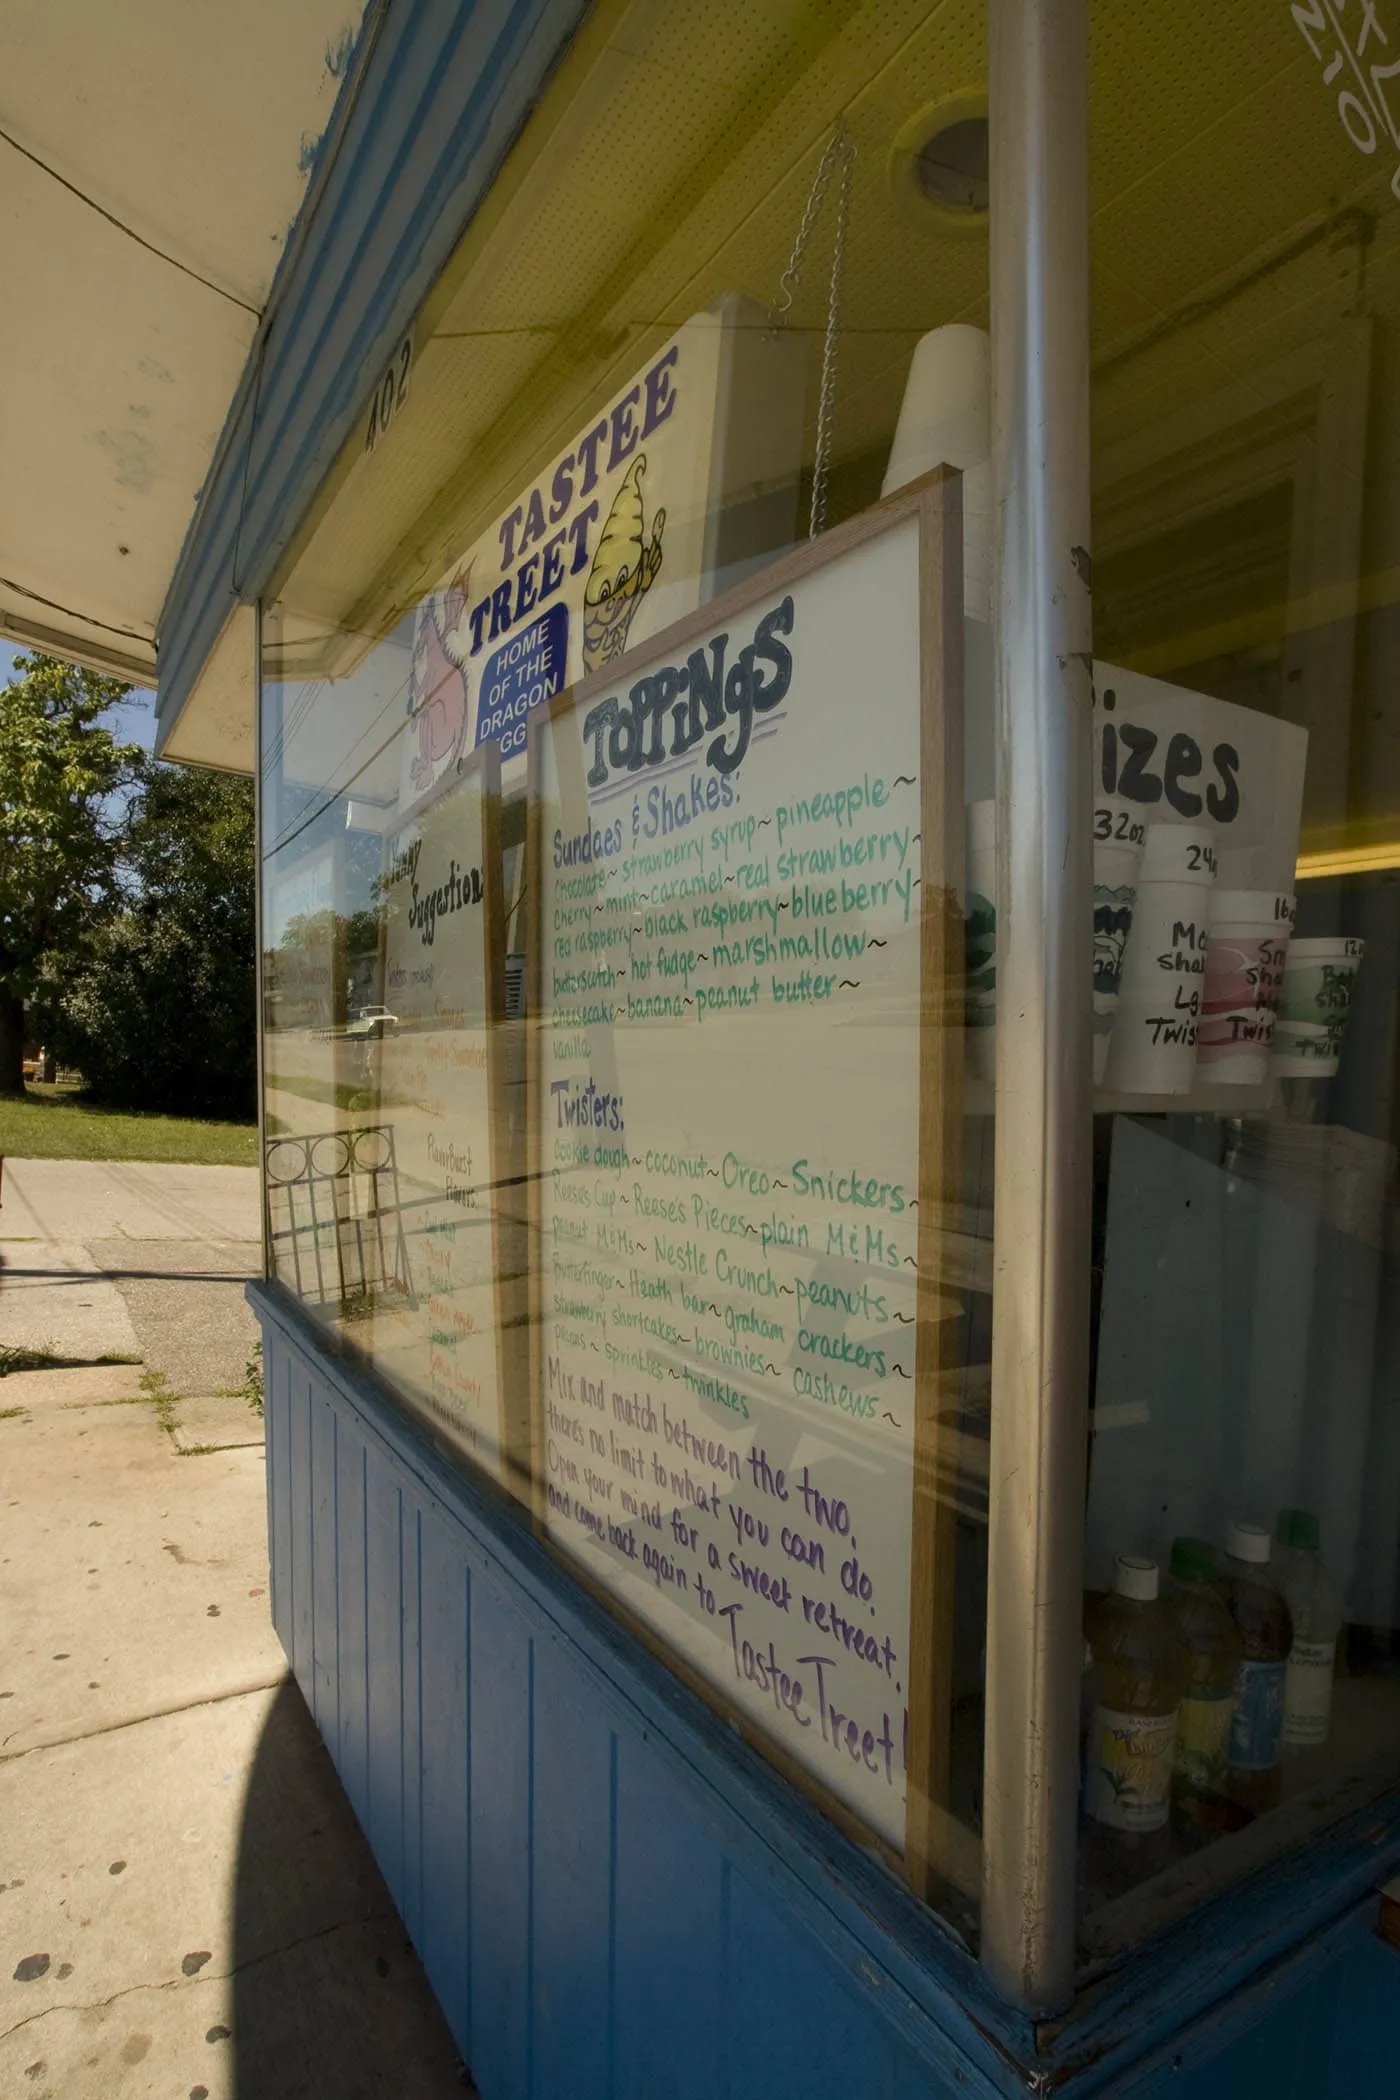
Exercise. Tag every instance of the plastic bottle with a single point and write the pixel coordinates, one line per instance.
(1088, 1701)
(1256, 1605)
(1127, 1784)
(1210, 1650)
(1315, 1606)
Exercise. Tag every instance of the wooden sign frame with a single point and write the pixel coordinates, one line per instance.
(938, 1849)
(513, 1409)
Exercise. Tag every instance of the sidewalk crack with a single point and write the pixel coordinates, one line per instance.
(160, 1713)
(89, 2005)
(205, 1976)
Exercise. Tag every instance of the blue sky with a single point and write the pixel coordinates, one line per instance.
(133, 722)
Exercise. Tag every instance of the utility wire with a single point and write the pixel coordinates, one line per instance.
(134, 634)
(129, 231)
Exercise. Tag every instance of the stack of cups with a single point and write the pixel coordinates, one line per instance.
(945, 419)
(980, 934)
(1249, 935)
(1120, 832)
(1153, 1049)
(1315, 1007)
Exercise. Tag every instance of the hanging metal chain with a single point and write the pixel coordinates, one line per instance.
(840, 153)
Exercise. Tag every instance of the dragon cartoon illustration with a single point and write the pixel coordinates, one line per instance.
(437, 694)
(625, 566)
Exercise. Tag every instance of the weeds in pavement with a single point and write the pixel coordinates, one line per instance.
(250, 1385)
(163, 1398)
(161, 1395)
(18, 1358)
(253, 1378)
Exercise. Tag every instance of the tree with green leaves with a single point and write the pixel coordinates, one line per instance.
(157, 1007)
(61, 820)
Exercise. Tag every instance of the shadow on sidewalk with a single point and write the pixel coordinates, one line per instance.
(16, 1270)
(329, 1997)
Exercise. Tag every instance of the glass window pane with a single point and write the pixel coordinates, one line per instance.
(617, 752)
(1244, 1497)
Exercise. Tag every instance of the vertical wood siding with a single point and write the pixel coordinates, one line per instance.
(593, 1926)
(581, 1925)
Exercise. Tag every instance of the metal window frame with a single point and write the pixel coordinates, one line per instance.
(259, 967)
(1038, 103)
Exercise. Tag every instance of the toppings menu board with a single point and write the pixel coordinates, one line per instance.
(741, 862)
(440, 1338)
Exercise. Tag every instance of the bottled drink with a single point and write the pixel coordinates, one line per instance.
(1088, 1701)
(1129, 1765)
(1315, 1607)
(1210, 1651)
(1256, 1729)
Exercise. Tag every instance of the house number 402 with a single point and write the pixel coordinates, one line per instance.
(390, 395)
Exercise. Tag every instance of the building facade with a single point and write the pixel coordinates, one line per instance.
(810, 592)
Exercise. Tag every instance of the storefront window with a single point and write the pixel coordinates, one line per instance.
(1244, 1498)
(629, 893)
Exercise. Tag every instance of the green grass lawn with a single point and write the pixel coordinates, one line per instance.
(58, 1122)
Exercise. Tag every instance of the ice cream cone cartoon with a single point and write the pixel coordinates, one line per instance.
(624, 569)
(437, 698)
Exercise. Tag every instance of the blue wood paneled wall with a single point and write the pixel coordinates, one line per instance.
(614, 1900)
(580, 1910)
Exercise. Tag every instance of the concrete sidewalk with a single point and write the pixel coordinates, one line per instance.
(133, 1260)
(187, 1907)
(80, 1199)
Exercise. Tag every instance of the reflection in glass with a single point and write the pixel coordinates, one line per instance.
(1244, 1441)
(617, 1103)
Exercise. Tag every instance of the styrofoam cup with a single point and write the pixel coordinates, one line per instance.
(1249, 934)
(945, 419)
(1179, 853)
(1119, 825)
(1267, 912)
(1232, 1047)
(1318, 980)
(1120, 833)
(1153, 1044)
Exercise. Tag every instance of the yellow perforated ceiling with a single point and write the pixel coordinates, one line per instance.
(670, 162)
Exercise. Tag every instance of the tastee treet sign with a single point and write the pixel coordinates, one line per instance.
(627, 529)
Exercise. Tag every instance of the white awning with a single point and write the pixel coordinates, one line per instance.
(153, 156)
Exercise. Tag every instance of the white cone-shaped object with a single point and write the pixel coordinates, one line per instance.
(946, 420)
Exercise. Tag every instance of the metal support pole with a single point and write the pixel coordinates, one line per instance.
(1044, 1103)
(259, 1016)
